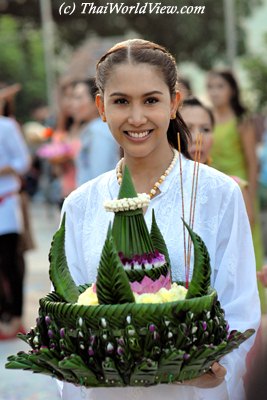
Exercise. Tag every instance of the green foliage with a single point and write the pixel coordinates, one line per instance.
(158, 240)
(112, 285)
(200, 283)
(256, 67)
(59, 271)
(127, 189)
(21, 60)
(198, 37)
(129, 228)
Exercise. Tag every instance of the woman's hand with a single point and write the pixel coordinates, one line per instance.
(214, 377)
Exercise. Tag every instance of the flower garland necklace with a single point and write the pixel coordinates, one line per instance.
(157, 184)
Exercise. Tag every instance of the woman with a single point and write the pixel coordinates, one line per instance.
(99, 151)
(234, 147)
(200, 121)
(14, 161)
(137, 97)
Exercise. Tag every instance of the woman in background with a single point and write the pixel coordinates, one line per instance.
(14, 161)
(234, 148)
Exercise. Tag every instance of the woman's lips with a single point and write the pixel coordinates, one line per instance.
(138, 135)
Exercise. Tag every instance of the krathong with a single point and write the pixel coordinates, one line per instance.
(134, 326)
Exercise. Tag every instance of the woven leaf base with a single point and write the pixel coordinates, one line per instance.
(128, 344)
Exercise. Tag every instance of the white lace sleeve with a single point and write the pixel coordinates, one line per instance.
(235, 282)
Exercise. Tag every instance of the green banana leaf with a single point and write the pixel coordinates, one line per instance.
(112, 284)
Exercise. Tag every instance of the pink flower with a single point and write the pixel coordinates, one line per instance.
(55, 149)
(147, 285)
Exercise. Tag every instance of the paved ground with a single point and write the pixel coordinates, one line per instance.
(23, 385)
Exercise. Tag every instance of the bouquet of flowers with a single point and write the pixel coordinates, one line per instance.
(58, 150)
(134, 326)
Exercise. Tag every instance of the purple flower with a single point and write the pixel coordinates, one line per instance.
(47, 320)
(146, 260)
(204, 325)
(120, 351)
(50, 333)
(90, 351)
(121, 341)
(152, 328)
(62, 332)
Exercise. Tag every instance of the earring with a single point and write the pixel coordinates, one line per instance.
(104, 119)
(173, 116)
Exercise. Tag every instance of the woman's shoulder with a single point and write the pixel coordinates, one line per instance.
(8, 123)
(210, 176)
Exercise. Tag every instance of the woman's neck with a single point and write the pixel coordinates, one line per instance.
(223, 113)
(145, 171)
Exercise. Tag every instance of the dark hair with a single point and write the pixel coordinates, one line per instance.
(91, 86)
(142, 51)
(194, 102)
(186, 83)
(229, 77)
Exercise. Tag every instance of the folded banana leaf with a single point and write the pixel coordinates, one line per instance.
(119, 342)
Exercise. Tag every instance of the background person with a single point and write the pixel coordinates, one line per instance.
(234, 148)
(14, 161)
(98, 151)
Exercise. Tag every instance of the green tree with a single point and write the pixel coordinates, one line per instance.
(256, 67)
(197, 37)
(21, 60)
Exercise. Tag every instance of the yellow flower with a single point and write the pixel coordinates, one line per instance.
(176, 293)
(147, 298)
(88, 298)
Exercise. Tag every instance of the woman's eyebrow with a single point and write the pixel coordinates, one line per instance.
(144, 95)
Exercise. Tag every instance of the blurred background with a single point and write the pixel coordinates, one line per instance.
(42, 53)
(38, 45)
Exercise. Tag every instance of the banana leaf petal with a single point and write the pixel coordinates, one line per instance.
(112, 285)
(59, 272)
(200, 283)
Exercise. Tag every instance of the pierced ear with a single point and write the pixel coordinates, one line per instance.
(99, 102)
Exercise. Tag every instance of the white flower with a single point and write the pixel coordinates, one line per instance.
(142, 200)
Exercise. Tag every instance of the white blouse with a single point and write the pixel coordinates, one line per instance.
(220, 220)
(13, 153)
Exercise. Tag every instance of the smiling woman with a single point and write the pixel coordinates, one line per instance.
(137, 97)
(140, 105)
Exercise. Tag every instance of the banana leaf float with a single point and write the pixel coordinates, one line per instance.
(119, 341)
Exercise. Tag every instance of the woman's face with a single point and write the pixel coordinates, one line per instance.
(198, 121)
(219, 91)
(83, 106)
(138, 107)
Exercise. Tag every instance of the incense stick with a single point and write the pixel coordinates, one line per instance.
(182, 193)
(195, 191)
(190, 220)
